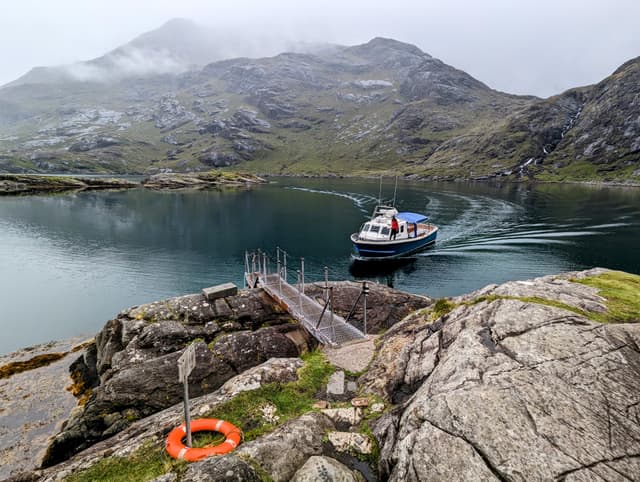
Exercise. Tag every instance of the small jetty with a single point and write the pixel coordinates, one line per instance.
(272, 275)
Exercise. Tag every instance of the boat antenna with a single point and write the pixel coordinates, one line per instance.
(380, 192)
(394, 192)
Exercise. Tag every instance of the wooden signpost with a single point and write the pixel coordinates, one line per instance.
(186, 363)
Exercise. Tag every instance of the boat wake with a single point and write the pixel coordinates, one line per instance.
(360, 200)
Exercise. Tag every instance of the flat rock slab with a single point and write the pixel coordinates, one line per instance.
(220, 291)
(354, 357)
(33, 405)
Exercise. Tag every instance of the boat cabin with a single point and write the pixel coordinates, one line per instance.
(378, 228)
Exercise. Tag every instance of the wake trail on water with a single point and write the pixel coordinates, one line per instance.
(359, 200)
(491, 225)
(483, 224)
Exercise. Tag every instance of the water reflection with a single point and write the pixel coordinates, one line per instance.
(384, 271)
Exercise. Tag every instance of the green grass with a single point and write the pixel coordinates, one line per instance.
(441, 307)
(145, 464)
(622, 291)
(533, 299)
(291, 399)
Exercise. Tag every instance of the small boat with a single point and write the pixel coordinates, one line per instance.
(374, 240)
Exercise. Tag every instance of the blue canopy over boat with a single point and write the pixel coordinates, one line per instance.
(412, 217)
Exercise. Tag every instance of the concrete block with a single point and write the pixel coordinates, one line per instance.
(220, 291)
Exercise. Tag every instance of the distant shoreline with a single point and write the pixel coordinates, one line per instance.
(25, 184)
(98, 181)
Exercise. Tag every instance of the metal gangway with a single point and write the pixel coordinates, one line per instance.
(318, 318)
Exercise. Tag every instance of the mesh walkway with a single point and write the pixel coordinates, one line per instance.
(319, 319)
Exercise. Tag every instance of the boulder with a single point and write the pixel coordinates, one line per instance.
(385, 306)
(299, 439)
(325, 468)
(226, 468)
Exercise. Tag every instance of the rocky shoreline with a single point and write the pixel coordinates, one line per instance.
(22, 184)
(528, 380)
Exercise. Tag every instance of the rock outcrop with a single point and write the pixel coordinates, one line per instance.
(385, 306)
(510, 389)
(200, 180)
(15, 184)
(137, 353)
(512, 382)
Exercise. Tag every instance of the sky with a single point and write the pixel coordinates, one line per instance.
(539, 47)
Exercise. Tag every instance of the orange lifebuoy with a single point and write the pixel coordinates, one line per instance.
(179, 451)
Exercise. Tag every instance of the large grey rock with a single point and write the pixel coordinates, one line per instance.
(325, 469)
(385, 306)
(227, 468)
(511, 390)
(282, 452)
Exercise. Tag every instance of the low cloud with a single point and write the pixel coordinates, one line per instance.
(126, 62)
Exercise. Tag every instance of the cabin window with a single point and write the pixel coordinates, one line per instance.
(385, 231)
(375, 229)
(366, 227)
(402, 228)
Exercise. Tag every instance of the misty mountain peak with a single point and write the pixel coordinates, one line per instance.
(389, 53)
(388, 43)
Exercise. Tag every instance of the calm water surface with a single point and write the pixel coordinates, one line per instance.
(68, 263)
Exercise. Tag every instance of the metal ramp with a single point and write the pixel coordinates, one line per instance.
(319, 319)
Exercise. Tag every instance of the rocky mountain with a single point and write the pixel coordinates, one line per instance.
(381, 106)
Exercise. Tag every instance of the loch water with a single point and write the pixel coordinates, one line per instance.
(70, 262)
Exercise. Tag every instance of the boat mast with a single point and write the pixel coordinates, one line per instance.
(394, 193)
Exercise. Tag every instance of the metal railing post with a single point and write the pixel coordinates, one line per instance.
(278, 268)
(253, 262)
(259, 262)
(285, 267)
(302, 270)
(326, 284)
(264, 266)
(299, 292)
(246, 268)
(333, 329)
(365, 291)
